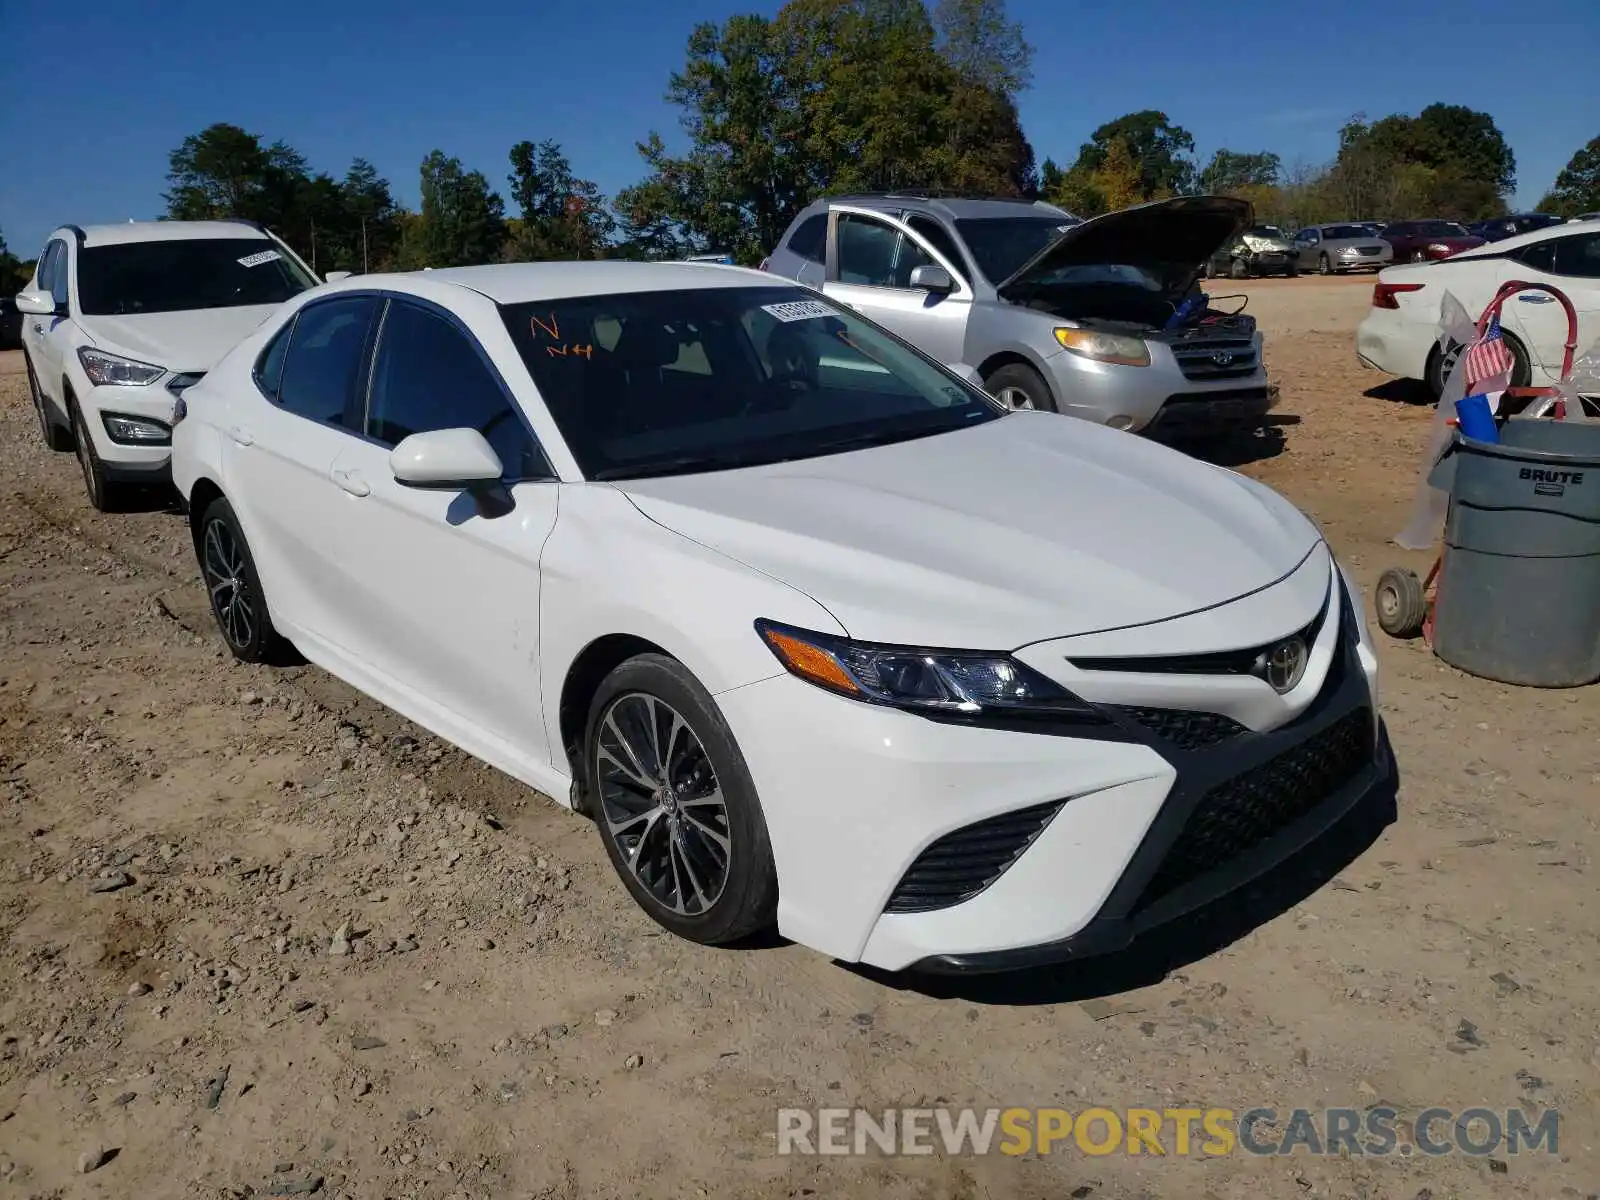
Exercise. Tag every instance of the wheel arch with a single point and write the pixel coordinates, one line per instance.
(583, 678)
(201, 496)
(1009, 358)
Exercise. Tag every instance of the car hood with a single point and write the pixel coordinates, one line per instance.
(1258, 243)
(1029, 527)
(1182, 232)
(190, 340)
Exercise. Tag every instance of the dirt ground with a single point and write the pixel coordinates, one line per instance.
(260, 936)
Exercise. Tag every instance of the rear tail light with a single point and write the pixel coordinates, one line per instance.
(1383, 294)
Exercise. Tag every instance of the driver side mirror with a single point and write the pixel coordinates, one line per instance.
(449, 460)
(37, 303)
(335, 276)
(932, 278)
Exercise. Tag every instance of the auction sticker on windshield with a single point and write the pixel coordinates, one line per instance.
(255, 260)
(799, 310)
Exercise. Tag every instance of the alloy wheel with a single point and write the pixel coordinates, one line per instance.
(662, 803)
(86, 463)
(1014, 398)
(222, 561)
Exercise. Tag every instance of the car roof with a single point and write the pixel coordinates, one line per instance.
(162, 231)
(956, 208)
(1517, 240)
(519, 283)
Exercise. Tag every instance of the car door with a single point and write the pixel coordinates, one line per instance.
(448, 594)
(279, 447)
(1305, 245)
(46, 337)
(870, 260)
(1571, 264)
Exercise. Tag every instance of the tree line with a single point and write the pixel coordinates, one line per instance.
(838, 96)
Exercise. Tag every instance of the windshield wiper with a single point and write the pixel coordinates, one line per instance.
(682, 465)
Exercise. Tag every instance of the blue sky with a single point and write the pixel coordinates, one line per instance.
(98, 92)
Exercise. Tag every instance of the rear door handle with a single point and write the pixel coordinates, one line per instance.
(241, 435)
(352, 482)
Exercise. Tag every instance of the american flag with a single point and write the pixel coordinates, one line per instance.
(1486, 358)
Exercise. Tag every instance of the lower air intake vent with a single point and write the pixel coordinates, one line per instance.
(1246, 810)
(1185, 729)
(961, 864)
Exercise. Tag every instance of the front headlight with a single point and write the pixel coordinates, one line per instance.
(103, 368)
(1438, 247)
(960, 684)
(1104, 347)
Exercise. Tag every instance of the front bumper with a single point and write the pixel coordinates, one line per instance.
(1361, 264)
(123, 461)
(1189, 414)
(1132, 397)
(866, 805)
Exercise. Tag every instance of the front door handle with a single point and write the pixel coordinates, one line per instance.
(352, 482)
(241, 435)
(1536, 298)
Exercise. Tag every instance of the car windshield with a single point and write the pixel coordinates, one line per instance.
(1002, 244)
(175, 275)
(676, 382)
(1334, 233)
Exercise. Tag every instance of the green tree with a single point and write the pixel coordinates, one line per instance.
(1159, 147)
(1448, 161)
(1118, 180)
(1229, 171)
(837, 95)
(1577, 188)
(563, 217)
(984, 45)
(462, 222)
(373, 224)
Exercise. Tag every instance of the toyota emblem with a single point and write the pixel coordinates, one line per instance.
(1222, 358)
(1284, 665)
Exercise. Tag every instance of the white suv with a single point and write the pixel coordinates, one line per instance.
(119, 319)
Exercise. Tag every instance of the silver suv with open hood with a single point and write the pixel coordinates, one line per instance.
(1099, 319)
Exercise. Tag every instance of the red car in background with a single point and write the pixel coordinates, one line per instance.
(1428, 241)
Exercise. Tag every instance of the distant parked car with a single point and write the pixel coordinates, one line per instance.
(1429, 241)
(1259, 250)
(120, 319)
(1330, 249)
(1497, 229)
(1594, 216)
(1400, 333)
(1050, 312)
(10, 324)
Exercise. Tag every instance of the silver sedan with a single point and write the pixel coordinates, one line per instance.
(1330, 249)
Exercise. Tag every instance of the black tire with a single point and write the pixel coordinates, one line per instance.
(1211, 268)
(1402, 607)
(688, 827)
(104, 496)
(1238, 269)
(55, 437)
(237, 601)
(1324, 265)
(1292, 269)
(1013, 379)
(1521, 366)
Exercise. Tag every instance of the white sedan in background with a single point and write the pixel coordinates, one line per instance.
(1400, 332)
(814, 630)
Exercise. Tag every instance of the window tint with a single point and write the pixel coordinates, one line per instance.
(810, 240)
(724, 377)
(324, 358)
(428, 376)
(1540, 256)
(1578, 256)
(171, 276)
(935, 235)
(873, 253)
(46, 270)
(1001, 245)
(269, 367)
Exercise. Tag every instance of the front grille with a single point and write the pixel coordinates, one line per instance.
(1218, 358)
(1248, 809)
(961, 864)
(1184, 728)
(1369, 249)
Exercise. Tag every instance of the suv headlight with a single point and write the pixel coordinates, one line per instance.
(952, 684)
(1104, 347)
(103, 368)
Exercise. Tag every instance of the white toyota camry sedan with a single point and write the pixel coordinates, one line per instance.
(816, 632)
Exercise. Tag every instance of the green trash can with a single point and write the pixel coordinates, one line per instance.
(1519, 591)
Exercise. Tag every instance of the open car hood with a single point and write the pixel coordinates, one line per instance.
(1182, 232)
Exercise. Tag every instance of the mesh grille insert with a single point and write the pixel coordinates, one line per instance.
(961, 864)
